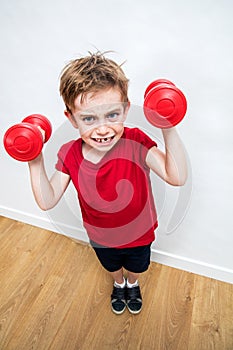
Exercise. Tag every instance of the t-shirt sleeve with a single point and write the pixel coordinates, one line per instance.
(146, 141)
(62, 157)
(60, 165)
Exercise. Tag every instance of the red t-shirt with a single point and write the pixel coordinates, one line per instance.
(115, 194)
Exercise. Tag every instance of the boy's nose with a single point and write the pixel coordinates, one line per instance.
(102, 129)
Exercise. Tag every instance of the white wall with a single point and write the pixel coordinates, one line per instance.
(188, 42)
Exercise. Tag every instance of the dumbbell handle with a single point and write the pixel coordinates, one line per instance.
(24, 141)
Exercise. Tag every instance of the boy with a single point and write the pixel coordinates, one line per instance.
(109, 166)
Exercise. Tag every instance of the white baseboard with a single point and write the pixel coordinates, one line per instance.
(191, 265)
(45, 223)
(161, 257)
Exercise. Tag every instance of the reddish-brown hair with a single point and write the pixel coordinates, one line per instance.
(91, 74)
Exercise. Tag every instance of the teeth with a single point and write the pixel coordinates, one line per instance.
(103, 140)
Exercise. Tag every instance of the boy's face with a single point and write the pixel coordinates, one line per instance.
(100, 118)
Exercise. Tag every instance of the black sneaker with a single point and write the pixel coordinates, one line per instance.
(118, 300)
(134, 300)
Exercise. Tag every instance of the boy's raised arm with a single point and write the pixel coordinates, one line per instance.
(171, 166)
(47, 192)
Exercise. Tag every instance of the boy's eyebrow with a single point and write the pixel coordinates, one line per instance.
(86, 114)
(114, 110)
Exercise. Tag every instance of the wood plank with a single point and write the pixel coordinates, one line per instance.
(212, 325)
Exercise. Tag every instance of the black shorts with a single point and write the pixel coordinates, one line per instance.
(136, 259)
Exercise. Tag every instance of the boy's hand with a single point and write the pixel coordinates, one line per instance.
(42, 132)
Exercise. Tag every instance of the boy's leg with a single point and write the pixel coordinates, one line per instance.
(133, 293)
(118, 297)
(132, 277)
(111, 261)
(118, 276)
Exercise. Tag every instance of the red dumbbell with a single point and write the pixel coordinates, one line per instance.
(24, 141)
(164, 104)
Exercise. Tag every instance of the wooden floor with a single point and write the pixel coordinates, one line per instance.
(55, 295)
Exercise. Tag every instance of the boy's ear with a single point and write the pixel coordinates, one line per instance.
(127, 106)
(71, 119)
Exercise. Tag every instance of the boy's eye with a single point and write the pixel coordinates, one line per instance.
(89, 120)
(113, 116)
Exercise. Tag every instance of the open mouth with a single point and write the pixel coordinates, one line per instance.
(103, 139)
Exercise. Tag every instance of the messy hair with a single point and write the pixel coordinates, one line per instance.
(91, 74)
